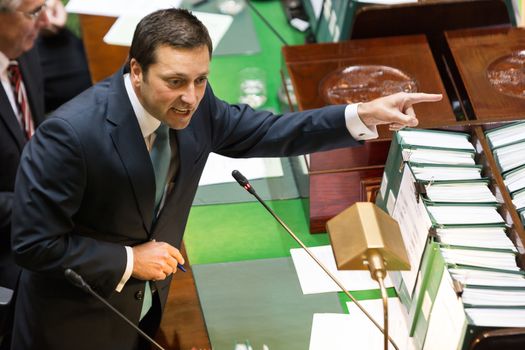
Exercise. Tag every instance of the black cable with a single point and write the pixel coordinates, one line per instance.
(266, 22)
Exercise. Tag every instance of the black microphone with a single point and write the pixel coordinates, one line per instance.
(243, 181)
(77, 280)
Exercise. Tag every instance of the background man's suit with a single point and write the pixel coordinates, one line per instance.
(102, 198)
(12, 141)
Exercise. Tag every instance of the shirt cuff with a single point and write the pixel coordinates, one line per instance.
(355, 126)
(128, 271)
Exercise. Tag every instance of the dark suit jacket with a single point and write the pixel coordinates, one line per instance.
(12, 141)
(86, 188)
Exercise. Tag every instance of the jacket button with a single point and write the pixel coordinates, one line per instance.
(139, 295)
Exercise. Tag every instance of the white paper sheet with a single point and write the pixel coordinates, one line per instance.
(355, 331)
(218, 169)
(314, 280)
(414, 224)
(121, 33)
(116, 8)
(445, 327)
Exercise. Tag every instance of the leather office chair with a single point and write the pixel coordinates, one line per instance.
(507, 338)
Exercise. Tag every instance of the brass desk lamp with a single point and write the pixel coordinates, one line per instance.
(363, 237)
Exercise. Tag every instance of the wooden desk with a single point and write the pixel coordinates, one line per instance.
(103, 59)
(473, 51)
(340, 178)
(182, 325)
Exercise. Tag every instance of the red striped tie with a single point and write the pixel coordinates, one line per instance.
(15, 77)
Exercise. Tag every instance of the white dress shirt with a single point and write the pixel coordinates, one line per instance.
(148, 124)
(6, 84)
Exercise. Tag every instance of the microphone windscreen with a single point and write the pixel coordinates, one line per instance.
(240, 178)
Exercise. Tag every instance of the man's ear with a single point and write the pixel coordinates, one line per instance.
(135, 72)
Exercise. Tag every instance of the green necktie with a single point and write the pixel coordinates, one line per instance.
(160, 159)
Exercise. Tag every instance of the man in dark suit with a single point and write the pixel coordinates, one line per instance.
(18, 29)
(20, 22)
(91, 196)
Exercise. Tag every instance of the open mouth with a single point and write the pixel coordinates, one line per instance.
(182, 111)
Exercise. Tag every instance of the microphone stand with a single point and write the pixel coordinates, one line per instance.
(77, 280)
(246, 185)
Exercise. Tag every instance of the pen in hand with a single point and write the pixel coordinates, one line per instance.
(181, 267)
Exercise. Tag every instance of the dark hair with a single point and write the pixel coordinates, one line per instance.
(177, 28)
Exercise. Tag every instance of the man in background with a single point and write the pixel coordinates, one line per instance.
(62, 58)
(21, 109)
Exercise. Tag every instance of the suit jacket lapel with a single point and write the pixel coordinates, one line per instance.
(9, 119)
(128, 141)
(32, 75)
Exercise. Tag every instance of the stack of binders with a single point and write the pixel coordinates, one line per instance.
(508, 145)
(464, 272)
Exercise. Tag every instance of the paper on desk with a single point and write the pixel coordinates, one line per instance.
(117, 8)
(218, 169)
(121, 33)
(388, 2)
(356, 331)
(314, 280)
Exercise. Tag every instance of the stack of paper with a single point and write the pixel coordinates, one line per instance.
(464, 215)
(506, 135)
(518, 199)
(438, 156)
(435, 139)
(492, 296)
(511, 156)
(428, 172)
(480, 237)
(469, 250)
(470, 275)
(459, 192)
(515, 179)
(492, 259)
(435, 155)
(493, 317)
(508, 146)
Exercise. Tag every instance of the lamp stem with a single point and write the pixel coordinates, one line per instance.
(384, 296)
(376, 265)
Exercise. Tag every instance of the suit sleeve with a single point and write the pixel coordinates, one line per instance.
(48, 192)
(240, 131)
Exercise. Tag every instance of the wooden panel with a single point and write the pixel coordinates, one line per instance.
(182, 326)
(309, 64)
(346, 159)
(331, 193)
(103, 59)
(473, 51)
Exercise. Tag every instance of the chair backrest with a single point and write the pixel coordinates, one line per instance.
(499, 339)
(428, 17)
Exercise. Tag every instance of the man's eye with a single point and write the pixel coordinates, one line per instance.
(202, 80)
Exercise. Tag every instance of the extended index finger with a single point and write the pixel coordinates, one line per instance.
(418, 97)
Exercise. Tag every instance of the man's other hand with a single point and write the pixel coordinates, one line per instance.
(155, 261)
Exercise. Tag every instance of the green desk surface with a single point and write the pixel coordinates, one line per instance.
(246, 231)
(259, 301)
(224, 73)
